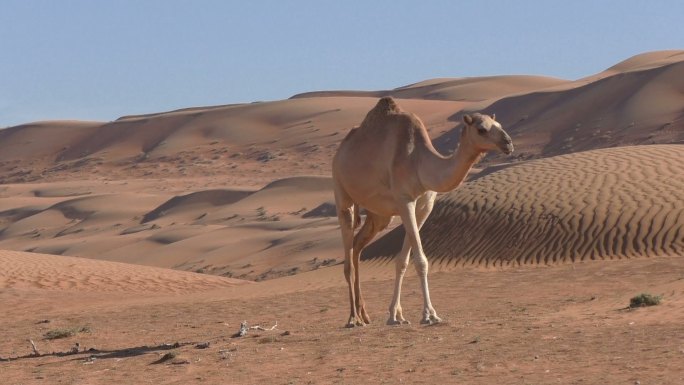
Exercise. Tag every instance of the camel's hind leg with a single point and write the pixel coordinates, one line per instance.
(346, 215)
(371, 226)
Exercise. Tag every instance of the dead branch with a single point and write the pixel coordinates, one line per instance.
(258, 327)
(244, 328)
(35, 349)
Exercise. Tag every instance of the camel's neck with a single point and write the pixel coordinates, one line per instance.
(443, 174)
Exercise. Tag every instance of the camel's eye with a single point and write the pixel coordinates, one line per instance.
(482, 131)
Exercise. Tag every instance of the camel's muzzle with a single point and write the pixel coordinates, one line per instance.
(507, 148)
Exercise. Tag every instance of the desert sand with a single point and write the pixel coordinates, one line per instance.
(159, 233)
(622, 202)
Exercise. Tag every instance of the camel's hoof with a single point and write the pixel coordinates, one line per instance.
(355, 323)
(363, 315)
(431, 320)
(394, 322)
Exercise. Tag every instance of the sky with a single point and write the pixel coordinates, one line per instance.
(99, 60)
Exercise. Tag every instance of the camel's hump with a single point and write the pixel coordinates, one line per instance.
(383, 109)
(385, 105)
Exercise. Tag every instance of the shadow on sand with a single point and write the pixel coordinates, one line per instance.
(99, 354)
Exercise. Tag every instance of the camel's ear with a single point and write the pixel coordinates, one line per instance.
(467, 119)
(493, 116)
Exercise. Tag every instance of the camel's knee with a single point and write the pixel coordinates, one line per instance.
(402, 265)
(421, 263)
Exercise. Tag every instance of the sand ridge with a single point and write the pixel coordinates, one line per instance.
(475, 89)
(634, 102)
(278, 229)
(24, 271)
(623, 202)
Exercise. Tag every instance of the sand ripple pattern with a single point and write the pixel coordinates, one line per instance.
(21, 270)
(612, 203)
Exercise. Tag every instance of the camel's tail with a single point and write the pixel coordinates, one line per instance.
(357, 218)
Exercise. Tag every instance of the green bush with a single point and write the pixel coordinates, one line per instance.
(645, 299)
(64, 333)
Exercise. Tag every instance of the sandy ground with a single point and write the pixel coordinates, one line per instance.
(158, 233)
(563, 324)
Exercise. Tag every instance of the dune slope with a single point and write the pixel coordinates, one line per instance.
(603, 204)
(30, 271)
(244, 190)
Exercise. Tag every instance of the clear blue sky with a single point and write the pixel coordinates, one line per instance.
(98, 60)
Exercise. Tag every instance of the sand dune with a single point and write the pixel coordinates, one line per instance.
(22, 270)
(461, 89)
(639, 105)
(616, 203)
(244, 190)
(198, 200)
(647, 60)
(633, 102)
(478, 89)
(245, 233)
(21, 141)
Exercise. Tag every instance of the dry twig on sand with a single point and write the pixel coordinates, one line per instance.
(244, 328)
(257, 327)
(35, 349)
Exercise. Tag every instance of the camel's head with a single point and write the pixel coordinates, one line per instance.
(486, 133)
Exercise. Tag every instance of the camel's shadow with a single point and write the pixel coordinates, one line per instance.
(100, 354)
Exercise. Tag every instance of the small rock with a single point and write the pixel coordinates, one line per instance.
(203, 345)
(180, 361)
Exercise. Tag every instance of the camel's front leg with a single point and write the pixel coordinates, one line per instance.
(408, 217)
(424, 206)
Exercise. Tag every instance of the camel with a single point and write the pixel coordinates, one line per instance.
(388, 166)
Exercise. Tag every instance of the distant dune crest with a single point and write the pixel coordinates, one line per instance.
(244, 190)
